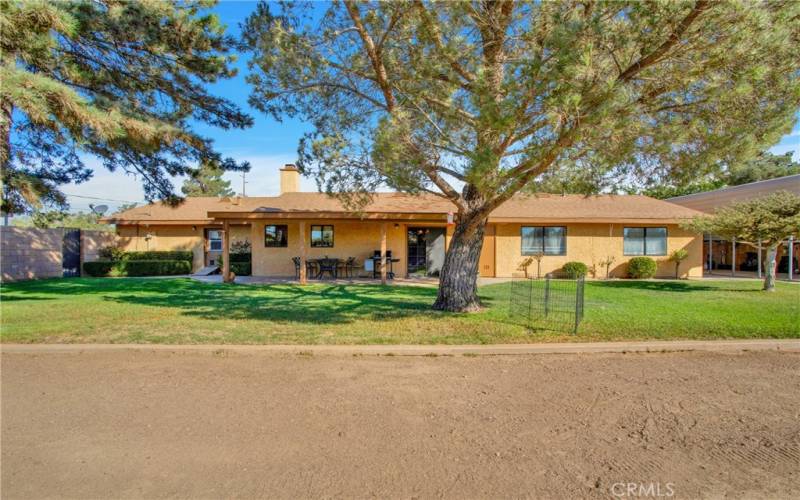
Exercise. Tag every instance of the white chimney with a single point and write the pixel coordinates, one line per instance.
(290, 179)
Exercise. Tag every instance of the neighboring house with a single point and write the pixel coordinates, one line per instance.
(565, 228)
(722, 254)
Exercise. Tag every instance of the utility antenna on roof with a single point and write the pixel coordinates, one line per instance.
(243, 184)
(98, 209)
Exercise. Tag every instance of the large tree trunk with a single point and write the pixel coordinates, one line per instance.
(6, 114)
(771, 264)
(458, 281)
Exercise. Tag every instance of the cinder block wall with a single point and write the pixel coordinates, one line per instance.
(93, 241)
(28, 253)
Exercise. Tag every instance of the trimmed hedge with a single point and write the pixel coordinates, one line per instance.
(575, 269)
(642, 268)
(241, 268)
(137, 268)
(99, 268)
(159, 255)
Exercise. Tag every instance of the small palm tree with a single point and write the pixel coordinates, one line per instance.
(677, 257)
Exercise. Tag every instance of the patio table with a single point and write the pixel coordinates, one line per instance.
(327, 265)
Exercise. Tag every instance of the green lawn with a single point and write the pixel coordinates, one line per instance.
(109, 310)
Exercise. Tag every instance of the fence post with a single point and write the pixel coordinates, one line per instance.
(529, 283)
(546, 294)
(578, 303)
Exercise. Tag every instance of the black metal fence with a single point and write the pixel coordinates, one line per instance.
(550, 303)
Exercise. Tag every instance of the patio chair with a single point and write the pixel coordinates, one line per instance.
(311, 268)
(347, 267)
(329, 266)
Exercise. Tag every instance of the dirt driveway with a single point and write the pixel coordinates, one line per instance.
(212, 425)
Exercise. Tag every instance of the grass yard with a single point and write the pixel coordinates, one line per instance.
(130, 310)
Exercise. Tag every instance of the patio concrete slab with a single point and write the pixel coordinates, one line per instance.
(439, 350)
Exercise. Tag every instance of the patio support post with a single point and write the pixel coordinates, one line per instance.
(733, 257)
(226, 254)
(303, 277)
(383, 253)
(759, 258)
(791, 257)
(709, 252)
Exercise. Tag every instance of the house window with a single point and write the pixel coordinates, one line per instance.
(322, 236)
(276, 235)
(215, 240)
(645, 241)
(547, 240)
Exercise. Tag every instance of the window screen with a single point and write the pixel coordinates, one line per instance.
(645, 241)
(276, 235)
(322, 236)
(547, 240)
(215, 241)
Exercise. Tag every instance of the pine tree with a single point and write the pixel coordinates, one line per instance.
(115, 79)
(472, 101)
(207, 181)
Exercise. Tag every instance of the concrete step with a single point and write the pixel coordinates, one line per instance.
(206, 271)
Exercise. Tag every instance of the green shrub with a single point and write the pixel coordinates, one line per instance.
(159, 255)
(138, 268)
(111, 253)
(99, 268)
(155, 267)
(241, 247)
(642, 267)
(241, 257)
(574, 269)
(241, 268)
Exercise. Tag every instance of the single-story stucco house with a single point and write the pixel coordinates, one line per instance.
(565, 228)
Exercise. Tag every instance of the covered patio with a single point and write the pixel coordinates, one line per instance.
(303, 246)
(731, 258)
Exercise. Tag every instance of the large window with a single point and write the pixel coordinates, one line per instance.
(276, 235)
(214, 240)
(322, 236)
(547, 240)
(645, 241)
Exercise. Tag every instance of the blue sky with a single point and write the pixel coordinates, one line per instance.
(267, 145)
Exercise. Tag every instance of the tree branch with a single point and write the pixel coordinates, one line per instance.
(674, 38)
(437, 39)
(374, 56)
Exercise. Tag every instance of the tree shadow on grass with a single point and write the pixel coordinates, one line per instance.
(314, 304)
(670, 286)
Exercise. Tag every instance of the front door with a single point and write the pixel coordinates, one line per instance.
(213, 246)
(425, 251)
(486, 261)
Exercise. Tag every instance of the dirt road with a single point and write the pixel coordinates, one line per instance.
(158, 424)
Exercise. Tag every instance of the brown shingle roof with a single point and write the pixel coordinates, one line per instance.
(540, 207)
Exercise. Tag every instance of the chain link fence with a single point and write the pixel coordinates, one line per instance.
(551, 303)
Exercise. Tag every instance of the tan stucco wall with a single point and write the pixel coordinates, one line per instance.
(133, 238)
(587, 243)
(592, 243)
(350, 239)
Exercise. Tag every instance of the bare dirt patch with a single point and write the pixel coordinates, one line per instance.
(159, 424)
